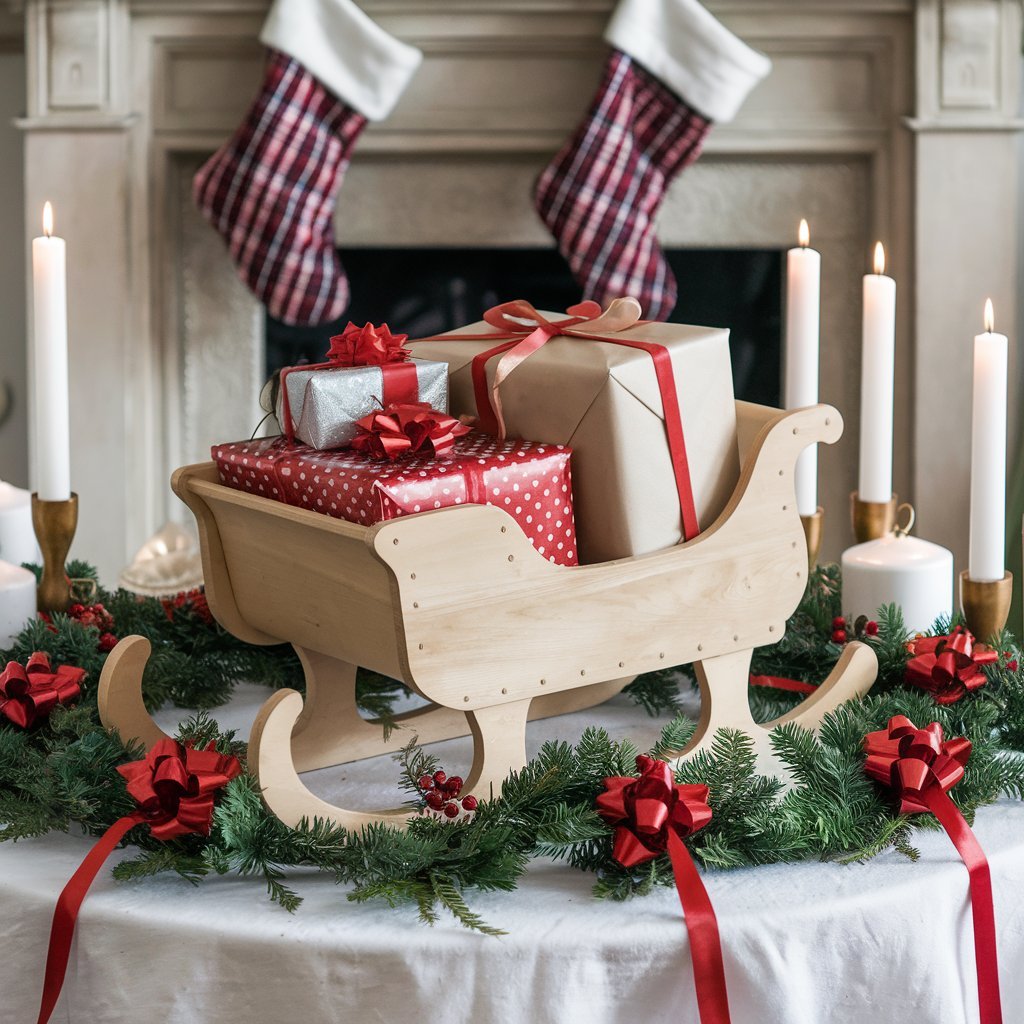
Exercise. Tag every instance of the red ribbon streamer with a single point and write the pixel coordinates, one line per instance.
(30, 693)
(782, 683)
(652, 814)
(948, 667)
(520, 341)
(174, 786)
(358, 347)
(921, 766)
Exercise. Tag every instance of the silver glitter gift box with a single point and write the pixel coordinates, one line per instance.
(326, 403)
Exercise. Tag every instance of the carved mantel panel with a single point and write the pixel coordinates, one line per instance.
(132, 93)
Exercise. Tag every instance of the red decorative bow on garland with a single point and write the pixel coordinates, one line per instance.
(30, 693)
(408, 427)
(653, 814)
(921, 766)
(948, 667)
(367, 346)
(175, 786)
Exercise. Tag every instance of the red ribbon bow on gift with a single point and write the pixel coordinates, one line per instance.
(368, 345)
(408, 427)
(30, 693)
(174, 785)
(652, 814)
(921, 766)
(948, 667)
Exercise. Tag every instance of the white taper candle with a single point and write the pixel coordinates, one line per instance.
(988, 454)
(803, 314)
(50, 335)
(878, 357)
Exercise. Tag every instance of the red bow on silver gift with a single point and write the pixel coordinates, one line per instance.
(921, 766)
(652, 814)
(30, 692)
(368, 345)
(410, 427)
(174, 786)
(948, 667)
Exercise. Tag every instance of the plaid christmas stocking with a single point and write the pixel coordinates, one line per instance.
(601, 193)
(270, 190)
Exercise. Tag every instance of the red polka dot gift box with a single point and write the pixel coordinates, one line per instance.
(529, 480)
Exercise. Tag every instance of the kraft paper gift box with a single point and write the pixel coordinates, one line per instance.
(603, 399)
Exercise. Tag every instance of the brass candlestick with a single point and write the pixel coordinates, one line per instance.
(814, 527)
(985, 604)
(54, 523)
(871, 519)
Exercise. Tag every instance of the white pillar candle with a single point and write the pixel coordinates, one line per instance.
(913, 573)
(50, 368)
(878, 355)
(803, 312)
(17, 601)
(988, 454)
(17, 535)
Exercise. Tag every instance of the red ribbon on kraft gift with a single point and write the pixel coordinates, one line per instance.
(174, 786)
(652, 815)
(358, 347)
(920, 766)
(948, 667)
(523, 331)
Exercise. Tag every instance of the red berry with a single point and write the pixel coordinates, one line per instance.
(76, 609)
(425, 782)
(1012, 665)
(107, 642)
(839, 636)
(839, 622)
(469, 803)
(439, 777)
(453, 787)
(434, 800)
(871, 628)
(451, 809)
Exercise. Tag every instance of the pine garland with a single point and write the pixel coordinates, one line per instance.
(62, 773)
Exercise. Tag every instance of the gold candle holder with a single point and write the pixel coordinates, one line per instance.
(54, 523)
(871, 519)
(985, 604)
(814, 526)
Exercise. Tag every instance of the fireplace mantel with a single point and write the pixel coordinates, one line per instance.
(889, 119)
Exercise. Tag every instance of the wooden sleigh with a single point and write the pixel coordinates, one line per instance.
(458, 605)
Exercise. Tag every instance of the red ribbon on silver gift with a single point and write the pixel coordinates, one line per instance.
(174, 785)
(363, 346)
(920, 766)
(652, 815)
(523, 331)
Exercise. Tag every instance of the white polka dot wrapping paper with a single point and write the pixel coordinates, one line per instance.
(529, 480)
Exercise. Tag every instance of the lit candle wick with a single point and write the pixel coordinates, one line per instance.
(879, 258)
(47, 219)
(804, 235)
(990, 317)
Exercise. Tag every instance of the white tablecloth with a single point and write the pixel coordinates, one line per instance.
(804, 944)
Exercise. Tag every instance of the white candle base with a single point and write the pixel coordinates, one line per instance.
(17, 601)
(913, 573)
(17, 535)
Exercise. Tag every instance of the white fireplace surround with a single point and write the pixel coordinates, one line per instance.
(890, 119)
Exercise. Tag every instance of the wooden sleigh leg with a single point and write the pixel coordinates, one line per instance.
(723, 685)
(119, 697)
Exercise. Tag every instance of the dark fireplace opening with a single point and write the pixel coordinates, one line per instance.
(420, 292)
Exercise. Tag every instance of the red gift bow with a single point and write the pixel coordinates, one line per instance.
(174, 785)
(921, 766)
(407, 427)
(522, 331)
(948, 667)
(363, 346)
(652, 814)
(367, 346)
(30, 693)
